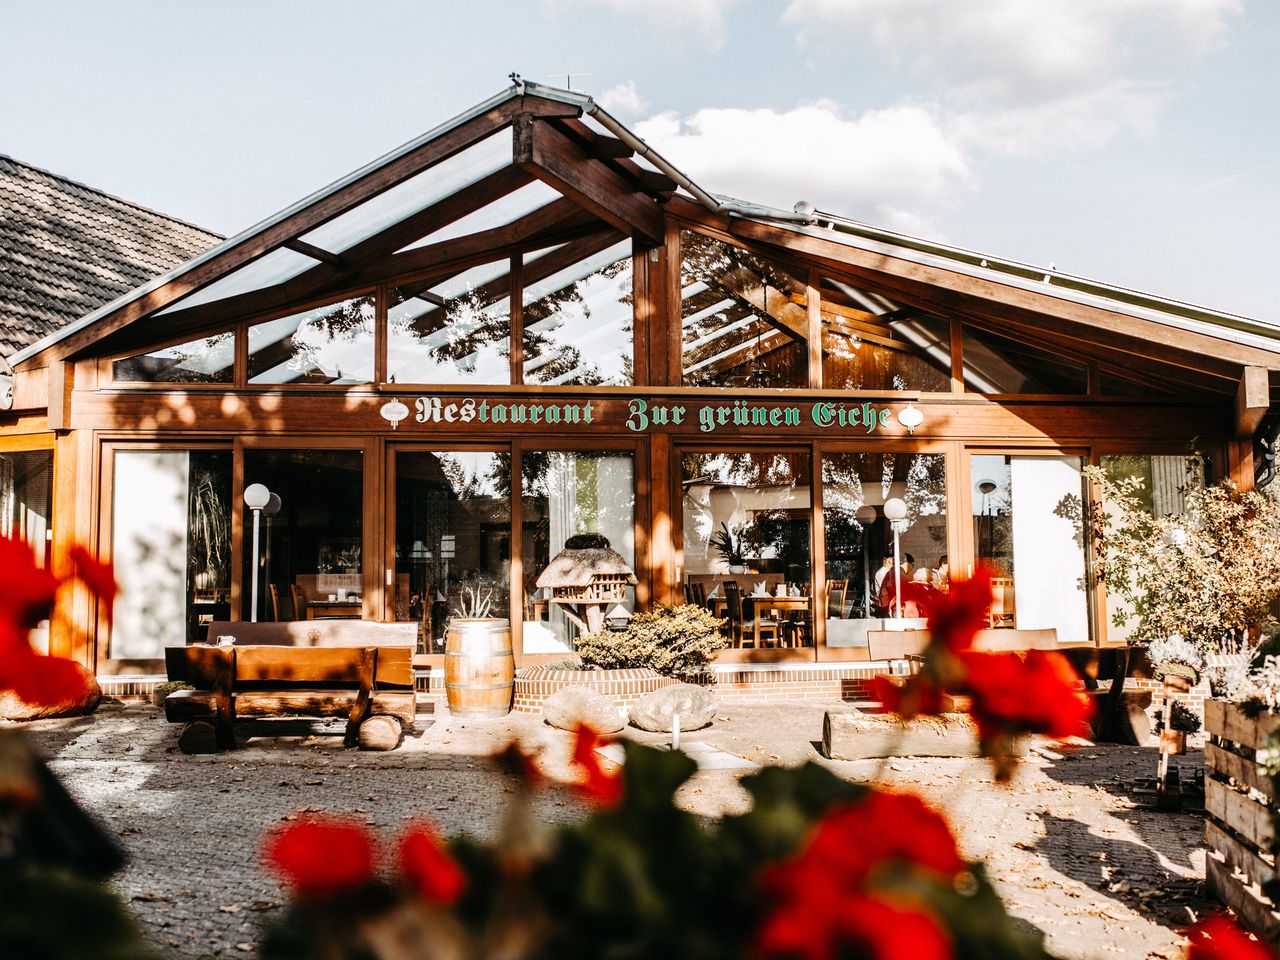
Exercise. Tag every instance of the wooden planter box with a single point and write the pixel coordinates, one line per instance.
(1238, 828)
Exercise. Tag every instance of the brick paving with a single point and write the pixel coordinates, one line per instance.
(1064, 843)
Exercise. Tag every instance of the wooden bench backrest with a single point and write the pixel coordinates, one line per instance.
(203, 667)
(316, 633)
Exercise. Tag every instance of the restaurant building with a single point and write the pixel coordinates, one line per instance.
(526, 325)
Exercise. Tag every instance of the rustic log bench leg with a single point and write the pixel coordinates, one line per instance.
(199, 736)
(381, 732)
(360, 709)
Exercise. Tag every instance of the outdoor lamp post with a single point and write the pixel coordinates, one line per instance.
(269, 511)
(618, 618)
(895, 511)
(256, 498)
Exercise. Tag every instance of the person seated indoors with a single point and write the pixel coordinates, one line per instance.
(917, 600)
(888, 592)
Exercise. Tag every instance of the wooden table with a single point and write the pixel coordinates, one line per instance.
(777, 605)
(334, 609)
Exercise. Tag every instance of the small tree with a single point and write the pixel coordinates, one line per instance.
(1210, 574)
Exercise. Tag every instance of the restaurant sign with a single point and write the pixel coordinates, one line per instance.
(647, 415)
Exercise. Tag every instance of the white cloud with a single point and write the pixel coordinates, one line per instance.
(623, 99)
(703, 17)
(890, 167)
(1082, 121)
(1014, 49)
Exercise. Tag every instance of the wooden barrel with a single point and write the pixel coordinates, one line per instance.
(479, 668)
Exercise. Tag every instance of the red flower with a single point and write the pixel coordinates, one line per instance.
(956, 616)
(98, 577)
(603, 788)
(917, 696)
(26, 589)
(321, 856)
(1217, 938)
(826, 927)
(825, 899)
(425, 863)
(1013, 695)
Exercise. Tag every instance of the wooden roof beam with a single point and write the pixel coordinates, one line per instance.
(324, 209)
(1034, 308)
(314, 252)
(1253, 399)
(567, 167)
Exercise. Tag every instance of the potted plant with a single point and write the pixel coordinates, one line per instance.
(1176, 661)
(729, 544)
(479, 667)
(1181, 722)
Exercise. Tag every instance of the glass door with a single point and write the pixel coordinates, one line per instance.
(451, 517)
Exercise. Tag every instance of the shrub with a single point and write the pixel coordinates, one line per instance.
(677, 641)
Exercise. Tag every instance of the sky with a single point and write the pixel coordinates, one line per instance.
(1135, 142)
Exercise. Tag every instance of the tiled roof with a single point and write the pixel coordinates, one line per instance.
(66, 249)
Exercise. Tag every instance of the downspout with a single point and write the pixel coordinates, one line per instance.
(6, 384)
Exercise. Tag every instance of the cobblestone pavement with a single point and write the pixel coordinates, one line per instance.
(1066, 846)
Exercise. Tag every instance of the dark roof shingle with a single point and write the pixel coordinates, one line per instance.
(67, 249)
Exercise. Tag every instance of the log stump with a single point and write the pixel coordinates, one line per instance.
(854, 735)
(380, 732)
(198, 737)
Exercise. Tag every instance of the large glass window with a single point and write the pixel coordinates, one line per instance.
(870, 345)
(568, 493)
(171, 545)
(577, 317)
(452, 330)
(329, 344)
(861, 587)
(745, 318)
(996, 364)
(453, 534)
(1166, 480)
(208, 360)
(309, 559)
(26, 510)
(1026, 527)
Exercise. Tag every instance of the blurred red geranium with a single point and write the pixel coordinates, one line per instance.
(425, 863)
(1217, 938)
(603, 788)
(826, 899)
(320, 856)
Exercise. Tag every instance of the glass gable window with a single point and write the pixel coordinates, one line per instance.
(455, 330)
(745, 318)
(209, 360)
(500, 213)
(996, 364)
(1026, 527)
(861, 587)
(415, 194)
(578, 317)
(453, 534)
(329, 344)
(276, 267)
(568, 493)
(868, 344)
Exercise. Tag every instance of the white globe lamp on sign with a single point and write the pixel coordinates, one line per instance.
(393, 411)
(256, 498)
(895, 511)
(910, 417)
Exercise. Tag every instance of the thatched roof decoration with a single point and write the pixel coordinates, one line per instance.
(577, 568)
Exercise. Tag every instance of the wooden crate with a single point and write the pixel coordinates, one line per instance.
(1240, 799)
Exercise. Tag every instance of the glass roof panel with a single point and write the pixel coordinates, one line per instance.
(417, 193)
(276, 267)
(503, 211)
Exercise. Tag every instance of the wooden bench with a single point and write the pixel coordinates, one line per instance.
(233, 682)
(315, 633)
